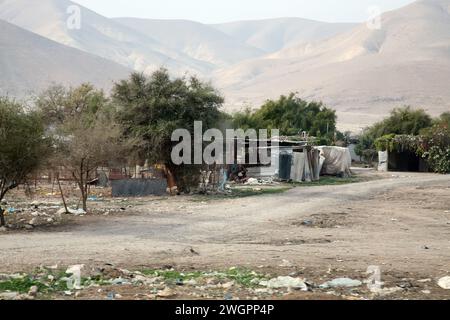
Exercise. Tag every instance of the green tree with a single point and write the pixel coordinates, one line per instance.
(151, 108)
(291, 115)
(22, 146)
(402, 121)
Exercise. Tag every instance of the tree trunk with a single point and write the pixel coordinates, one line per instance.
(62, 196)
(84, 200)
(2, 217)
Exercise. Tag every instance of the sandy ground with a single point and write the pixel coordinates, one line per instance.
(400, 223)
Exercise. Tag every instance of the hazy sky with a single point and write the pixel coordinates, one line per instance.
(215, 11)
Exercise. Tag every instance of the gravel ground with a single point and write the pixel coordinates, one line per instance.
(400, 223)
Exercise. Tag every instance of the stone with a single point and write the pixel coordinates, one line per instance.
(444, 283)
(228, 285)
(3, 229)
(9, 295)
(33, 291)
(385, 291)
(166, 293)
(191, 282)
(33, 222)
(28, 227)
(286, 263)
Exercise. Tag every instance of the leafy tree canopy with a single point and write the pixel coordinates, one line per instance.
(291, 115)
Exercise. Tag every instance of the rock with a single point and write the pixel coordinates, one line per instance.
(9, 295)
(341, 282)
(191, 282)
(426, 291)
(35, 214)
(444, 283)
(166, 293)
(50, 220)
(228, 285)
(385, 291)
(285, 282)
(3, 229)
(28, 227)
(33, 291)
(286, 263)
(33, 222)
(119, 296)
(24, 297)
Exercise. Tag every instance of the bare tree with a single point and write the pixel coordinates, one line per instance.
(85, 134)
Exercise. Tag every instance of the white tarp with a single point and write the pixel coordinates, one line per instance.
(337, 161)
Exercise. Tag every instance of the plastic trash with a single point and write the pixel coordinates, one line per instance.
(341, 282)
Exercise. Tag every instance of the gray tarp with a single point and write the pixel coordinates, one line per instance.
(337, 161)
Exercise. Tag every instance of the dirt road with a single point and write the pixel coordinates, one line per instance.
(401, 223)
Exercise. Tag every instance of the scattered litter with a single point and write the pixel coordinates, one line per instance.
(285, 282)
(444, 283)
(341, 282)
(111, 296)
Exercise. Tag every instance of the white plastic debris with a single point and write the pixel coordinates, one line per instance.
(444, 283)
(76, 212)
(341, 282)
(74, 281)
(285, 282)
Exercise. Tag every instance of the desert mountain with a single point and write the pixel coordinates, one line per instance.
(97, 35)
(271, 35)
(362, 73)
(30, 63)
(197, 40)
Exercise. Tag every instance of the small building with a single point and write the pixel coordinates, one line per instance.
(399, 153)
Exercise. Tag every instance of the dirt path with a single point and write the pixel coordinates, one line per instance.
(401, 224)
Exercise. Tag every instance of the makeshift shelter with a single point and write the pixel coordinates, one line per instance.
(401, 161)
(399, 153)
(336, 161)
(290, 161)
